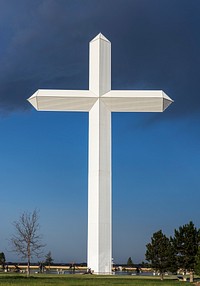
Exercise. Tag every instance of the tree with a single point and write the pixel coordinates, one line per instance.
(197, 262)
(145, 264)
(27, 241)
(130, 262)
(159, 252)
(49, 259)
(2, 260)
(186, 241)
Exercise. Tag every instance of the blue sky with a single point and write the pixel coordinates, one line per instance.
(43, 155)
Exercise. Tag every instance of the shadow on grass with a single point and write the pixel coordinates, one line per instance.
(17, 277)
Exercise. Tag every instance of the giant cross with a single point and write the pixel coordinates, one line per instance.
(100, 101)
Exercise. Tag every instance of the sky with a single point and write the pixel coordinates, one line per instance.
(44, 155)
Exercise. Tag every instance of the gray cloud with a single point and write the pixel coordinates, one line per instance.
(155, 45)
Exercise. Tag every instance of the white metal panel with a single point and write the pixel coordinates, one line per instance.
(136, 100)
(134, 93)
(99, 190)
(134, 104)
(100, 65)
(64, 93)
(62, 100)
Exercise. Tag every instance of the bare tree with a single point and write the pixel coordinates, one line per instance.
(27, 241)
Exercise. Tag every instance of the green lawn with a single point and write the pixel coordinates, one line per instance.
(82, 280)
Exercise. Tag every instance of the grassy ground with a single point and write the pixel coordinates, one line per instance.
(82, 280)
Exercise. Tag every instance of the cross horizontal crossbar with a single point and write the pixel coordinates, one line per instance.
(115, 100)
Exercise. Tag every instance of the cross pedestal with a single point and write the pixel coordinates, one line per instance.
(100, 101)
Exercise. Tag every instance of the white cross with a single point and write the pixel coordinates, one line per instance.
(100, 101)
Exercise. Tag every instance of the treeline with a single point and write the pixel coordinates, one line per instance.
(180, 252)
(164, 254)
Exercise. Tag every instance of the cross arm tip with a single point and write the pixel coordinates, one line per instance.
(33, 100)
(100, 36)
(167, 101)
(165, 96)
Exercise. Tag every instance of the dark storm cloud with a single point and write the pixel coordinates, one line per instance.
(155, 45)
(41, 50)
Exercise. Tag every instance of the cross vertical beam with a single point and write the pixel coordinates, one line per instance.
(99, 190)
(99, 173)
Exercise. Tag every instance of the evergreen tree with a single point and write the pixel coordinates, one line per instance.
(185, 242)
(197, 262)
(172, 258)
(160, 253)
(2, 260)
(130, 262)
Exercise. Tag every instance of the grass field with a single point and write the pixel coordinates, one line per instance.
(82, 280)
